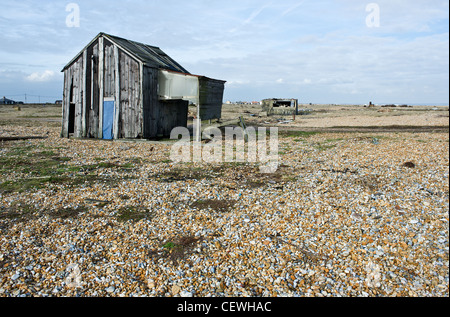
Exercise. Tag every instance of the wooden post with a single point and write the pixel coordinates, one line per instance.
(141, 96)
(83, 111)
(198, 127)
(116, 93)
(295, 108)
(244, 128)
(101, 70)
(65, 104)
(92, 82)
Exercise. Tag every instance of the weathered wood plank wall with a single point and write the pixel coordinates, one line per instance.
(151, 104)
(73, 93)
(131, 113)
(173, 114)
(211, 98)
(93, 78)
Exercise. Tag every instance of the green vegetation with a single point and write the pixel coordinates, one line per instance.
(132, 213)
(34, 167)
(217, 205)
(324, 147)
(65, 213)
(18, 210)
(178, 248)
(297, 134)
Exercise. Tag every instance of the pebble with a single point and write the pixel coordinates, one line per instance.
(307, 230)
(186, 294)
(175, 290)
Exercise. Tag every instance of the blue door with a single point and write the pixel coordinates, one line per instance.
(108, 119)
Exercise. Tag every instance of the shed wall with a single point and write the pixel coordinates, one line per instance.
(211, 98)
(94, 76)
(131, 110)
(151, 104)
(72, 97)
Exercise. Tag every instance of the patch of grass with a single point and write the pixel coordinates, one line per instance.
(324, 147)
(132, 213)
(17, 211)
(66, 213)
(135, 160)
(27, 184)
(297, 134)
(182, 174)
(217, 205)
(178, 248)
(24, 159)
(20, 150)
(169, 245)
(334, 140)
(23, 185)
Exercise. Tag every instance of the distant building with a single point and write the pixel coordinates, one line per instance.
(280, 106)
(58, 102)
(6, 101)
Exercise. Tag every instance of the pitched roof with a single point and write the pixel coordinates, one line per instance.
(149, 55)
(4, 99)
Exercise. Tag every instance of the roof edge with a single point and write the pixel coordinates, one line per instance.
(81, 52)
(193, 75)
(111, 39)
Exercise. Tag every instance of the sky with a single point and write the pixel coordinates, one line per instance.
(318, 51)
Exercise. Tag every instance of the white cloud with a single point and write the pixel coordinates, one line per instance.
(45, 76)
(317, 49)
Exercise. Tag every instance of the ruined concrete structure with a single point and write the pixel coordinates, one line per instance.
(280, 106)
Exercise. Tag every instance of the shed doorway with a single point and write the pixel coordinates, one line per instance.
(108, 119)
(71, 128)
(71, 121)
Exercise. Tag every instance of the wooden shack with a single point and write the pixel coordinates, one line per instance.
(117, 88)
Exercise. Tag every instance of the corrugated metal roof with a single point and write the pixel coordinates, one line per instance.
(149, 55)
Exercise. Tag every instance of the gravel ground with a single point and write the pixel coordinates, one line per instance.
(344, 215)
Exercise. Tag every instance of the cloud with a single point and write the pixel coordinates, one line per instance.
(255, 14)
(315, 49)
(293, 8)
(45, 76)
(252, 16)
